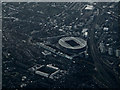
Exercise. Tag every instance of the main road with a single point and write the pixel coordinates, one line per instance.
(106, 74)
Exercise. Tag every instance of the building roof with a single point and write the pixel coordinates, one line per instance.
(72, 42)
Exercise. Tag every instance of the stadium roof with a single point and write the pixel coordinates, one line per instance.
(72, 42)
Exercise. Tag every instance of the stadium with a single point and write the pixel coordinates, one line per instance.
(72, 44)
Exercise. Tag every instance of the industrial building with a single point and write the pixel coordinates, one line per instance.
(48, 71)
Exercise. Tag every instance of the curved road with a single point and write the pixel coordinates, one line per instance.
(105, 78)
